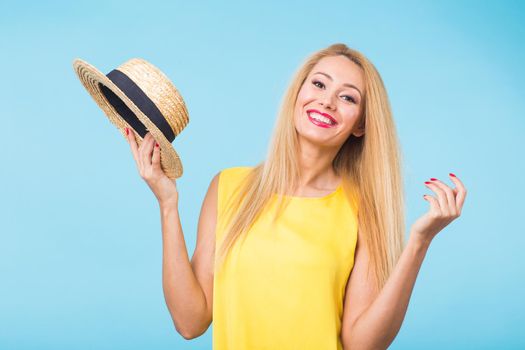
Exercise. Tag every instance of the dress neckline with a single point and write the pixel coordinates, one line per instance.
(329, 195)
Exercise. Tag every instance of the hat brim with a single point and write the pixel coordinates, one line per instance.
(90, 77)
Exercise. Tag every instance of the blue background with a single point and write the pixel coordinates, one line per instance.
(80, 244)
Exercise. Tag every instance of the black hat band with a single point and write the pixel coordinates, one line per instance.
(140, 99)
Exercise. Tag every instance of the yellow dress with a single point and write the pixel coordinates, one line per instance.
(284, 287)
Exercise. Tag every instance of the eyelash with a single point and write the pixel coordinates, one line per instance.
(317, 81)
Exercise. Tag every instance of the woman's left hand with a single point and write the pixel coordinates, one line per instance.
(443, 210)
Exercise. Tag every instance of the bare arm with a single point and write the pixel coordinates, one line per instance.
(372, 319)
(378, 324)
(188, 286)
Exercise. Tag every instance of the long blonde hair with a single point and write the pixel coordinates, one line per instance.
(370, 168)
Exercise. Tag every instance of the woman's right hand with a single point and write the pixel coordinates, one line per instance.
(148, 164)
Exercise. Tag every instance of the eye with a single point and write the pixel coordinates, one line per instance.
(350, 98)
(317, 82)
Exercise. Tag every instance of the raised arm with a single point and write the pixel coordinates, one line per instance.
(372, 318)
(188, 287)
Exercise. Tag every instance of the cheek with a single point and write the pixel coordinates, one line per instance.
(302, 99)
(351, 119)
(307, 91)
(305, 94)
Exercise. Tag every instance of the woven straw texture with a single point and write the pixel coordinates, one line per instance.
(158, 88)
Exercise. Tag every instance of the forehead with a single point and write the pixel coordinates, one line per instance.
(341, 69)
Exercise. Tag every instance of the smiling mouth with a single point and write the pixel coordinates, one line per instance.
(320, 119)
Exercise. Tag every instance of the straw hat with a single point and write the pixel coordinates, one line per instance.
(139, 96)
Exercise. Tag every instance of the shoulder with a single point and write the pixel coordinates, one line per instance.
(234, 174)
(230, 178)
(229, 182)
(237, 169)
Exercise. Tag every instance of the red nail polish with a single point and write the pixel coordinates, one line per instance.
(428, 182)
(156, 144)
(127, 131)
(433, 179)
(452, 175)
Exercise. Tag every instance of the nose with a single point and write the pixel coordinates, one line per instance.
(326, 102)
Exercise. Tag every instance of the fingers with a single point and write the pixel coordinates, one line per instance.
(155, 160)
(450, 200)
(434, 205)
(460, 190)
(143, 153)
(145, 150)
(450, 208)
(130, 136)
(441, 197)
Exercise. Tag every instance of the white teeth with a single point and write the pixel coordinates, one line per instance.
(321, 118)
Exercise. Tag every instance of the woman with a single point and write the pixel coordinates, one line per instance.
(305, 250)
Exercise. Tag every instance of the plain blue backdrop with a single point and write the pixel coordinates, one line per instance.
(80, 244)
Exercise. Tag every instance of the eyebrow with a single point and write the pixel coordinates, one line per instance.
(346, 84)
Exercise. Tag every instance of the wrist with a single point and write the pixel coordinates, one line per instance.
(168, 204)
(419, 241)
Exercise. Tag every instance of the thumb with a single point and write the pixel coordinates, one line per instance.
(434, 204)
(155, 159)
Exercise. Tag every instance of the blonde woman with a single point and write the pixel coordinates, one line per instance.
(305, 250)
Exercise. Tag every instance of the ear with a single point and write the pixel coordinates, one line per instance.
(360, 131)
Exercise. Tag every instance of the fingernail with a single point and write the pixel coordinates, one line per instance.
(433, 179)
(156, 144)
(127, 131)
(452, 174)
(428, 182)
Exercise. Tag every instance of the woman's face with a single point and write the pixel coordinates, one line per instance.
(334, 88)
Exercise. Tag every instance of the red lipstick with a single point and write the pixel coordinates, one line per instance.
(320, 123)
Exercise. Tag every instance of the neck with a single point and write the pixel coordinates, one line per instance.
(315, 166)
